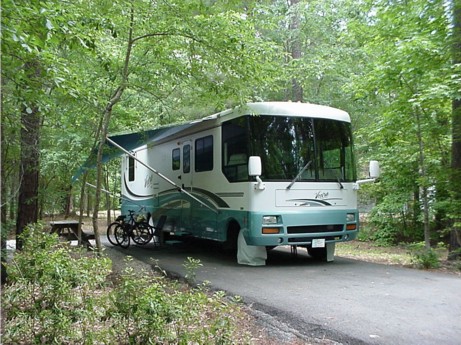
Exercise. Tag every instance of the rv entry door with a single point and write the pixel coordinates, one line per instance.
(186, 184)
(186, 176)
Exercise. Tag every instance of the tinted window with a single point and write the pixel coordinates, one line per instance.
(235, 150)
(176, 163)
(186, 159)
(131, 166)
(204, 154)
(288, 144)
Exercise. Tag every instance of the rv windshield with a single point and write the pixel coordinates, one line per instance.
(287, 144)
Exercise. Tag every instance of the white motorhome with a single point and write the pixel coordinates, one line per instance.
(273, 173)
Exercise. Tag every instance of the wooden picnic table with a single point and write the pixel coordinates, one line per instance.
(69, 229)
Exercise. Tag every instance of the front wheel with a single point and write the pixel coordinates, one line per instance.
(230, 245)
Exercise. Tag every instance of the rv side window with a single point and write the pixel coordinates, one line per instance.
(186, 159)
(204, 154)
(131, 174)
(176, 157)
(235, 150)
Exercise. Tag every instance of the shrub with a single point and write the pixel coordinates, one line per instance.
(57, 294)
(422, 257)
(54, 292)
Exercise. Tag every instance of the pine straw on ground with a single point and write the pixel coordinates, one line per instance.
(399, 255)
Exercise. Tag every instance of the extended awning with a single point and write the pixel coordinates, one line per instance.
(130, 142)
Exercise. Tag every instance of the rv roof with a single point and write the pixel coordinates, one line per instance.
(299, 109)
(282, 109)
(137, 140)
(133, 141)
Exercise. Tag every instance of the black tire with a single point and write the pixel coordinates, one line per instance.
(111, 233)
(142, 233)
(122, 235)
(230, 246)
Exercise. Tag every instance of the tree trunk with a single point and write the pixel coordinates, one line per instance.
(88, 202)
(82, 206)
(3, 204)
(67, 202)
(29, 163)
(12, 208)
(3, 189)
(455, 234)
(295, 47)
(117, 95)
(423, 187)
(108, 197)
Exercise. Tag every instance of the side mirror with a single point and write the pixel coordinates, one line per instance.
(254, 166)
(374, 169)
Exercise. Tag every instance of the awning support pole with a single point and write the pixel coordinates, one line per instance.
(180, 189)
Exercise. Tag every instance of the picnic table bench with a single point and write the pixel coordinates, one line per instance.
(69, 230)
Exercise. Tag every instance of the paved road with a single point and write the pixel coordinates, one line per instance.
(348, 301)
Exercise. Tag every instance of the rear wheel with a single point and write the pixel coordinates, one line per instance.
(122, 235)
(142, 233)
(111, 233)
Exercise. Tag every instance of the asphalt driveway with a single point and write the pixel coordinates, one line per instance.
(349, 301)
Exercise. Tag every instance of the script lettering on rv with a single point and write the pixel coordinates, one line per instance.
(321, 195)
(149, 181)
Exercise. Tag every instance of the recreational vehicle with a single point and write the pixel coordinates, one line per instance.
(255, 177)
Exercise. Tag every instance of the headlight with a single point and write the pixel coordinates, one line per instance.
(270, 219)
(350, 217)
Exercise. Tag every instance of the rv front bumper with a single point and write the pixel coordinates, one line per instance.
(302, 229)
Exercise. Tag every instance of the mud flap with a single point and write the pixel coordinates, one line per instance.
(330, 251)
(250, 255)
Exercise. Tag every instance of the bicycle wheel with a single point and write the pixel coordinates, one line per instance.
(122, 235)
(111, 233)
(141, 234)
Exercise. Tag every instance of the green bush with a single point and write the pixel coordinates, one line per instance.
(392, 222)
(422, 257)
(57, 294)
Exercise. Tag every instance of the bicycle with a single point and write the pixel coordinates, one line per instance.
(121, 232)
(111, 229)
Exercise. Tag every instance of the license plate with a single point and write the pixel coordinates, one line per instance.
(318, 243)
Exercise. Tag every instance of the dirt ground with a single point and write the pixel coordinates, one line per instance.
(395, 255)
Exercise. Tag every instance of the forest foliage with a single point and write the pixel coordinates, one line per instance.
(388, 63)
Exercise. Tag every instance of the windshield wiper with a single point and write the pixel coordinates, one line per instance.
(340, 184)
(299, 174)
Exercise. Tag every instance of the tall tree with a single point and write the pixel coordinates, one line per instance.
(455, 235)
(295, 48)
(21, 47)
(209, 51)
(35, 35)
(408, 79)
(30, 156)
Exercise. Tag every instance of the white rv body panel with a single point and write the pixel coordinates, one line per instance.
(307, 211)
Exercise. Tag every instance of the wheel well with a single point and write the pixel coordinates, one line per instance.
(233, 229)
